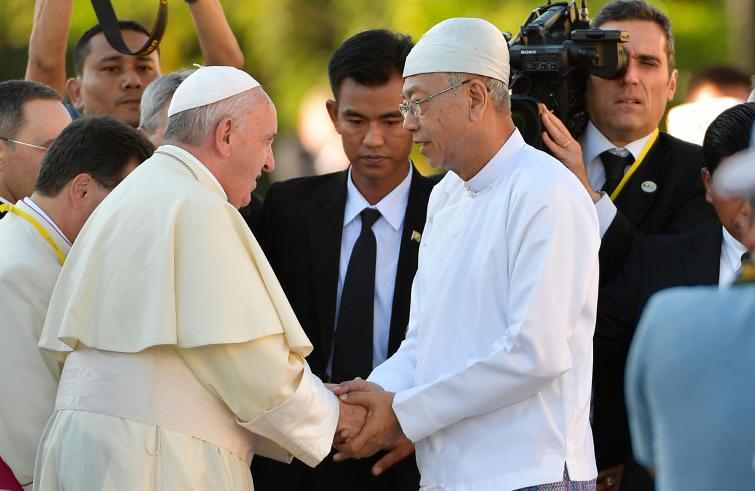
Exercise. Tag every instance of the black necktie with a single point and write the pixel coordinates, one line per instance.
(352, 350)
(614, 166)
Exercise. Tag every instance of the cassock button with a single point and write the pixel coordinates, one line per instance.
(649, 186)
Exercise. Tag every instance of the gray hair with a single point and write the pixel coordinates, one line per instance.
(13, 95)
(639, 10)
(156, 96)
(499, 92)
(194, 126)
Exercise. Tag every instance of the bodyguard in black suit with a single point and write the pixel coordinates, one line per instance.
(330, 253)
(676, 204)
(706, 256)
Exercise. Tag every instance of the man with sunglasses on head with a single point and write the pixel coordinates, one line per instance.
(31, 117)
(107, 82)
(492, 382)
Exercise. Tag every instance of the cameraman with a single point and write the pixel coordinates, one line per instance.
(661, 193)
(665, 193)
(109, 83)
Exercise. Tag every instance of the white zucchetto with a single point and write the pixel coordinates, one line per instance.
(210, 84)
(461, 45)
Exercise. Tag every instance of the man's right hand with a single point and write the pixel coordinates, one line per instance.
(350, 421)
(565, 148)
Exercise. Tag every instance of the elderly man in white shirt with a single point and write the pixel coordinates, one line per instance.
(493, 380)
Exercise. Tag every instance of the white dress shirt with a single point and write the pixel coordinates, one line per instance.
(493, 379)
(387, 229)
(593, 144)
(731, 259)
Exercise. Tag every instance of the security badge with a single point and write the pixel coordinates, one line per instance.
(649, 186)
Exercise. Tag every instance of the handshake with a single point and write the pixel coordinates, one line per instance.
(367, 424)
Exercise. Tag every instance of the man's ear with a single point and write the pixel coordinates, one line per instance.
(332, 107)
(478, 95)
(73, 87)
(672, 84)
(79, 189)
(705, 174)
(223, 137)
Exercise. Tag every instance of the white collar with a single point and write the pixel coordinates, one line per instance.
(493, 169)
(195, 164)
(392, 207)
(732, 250)
(594, 143)
(46, 219)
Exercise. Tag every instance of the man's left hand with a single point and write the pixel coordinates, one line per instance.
(401, 450)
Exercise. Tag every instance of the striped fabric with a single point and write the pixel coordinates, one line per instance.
(565, 485)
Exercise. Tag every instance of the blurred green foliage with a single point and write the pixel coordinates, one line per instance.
(287, 43)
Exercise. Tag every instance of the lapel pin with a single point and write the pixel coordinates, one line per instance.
(416, 236)
(649, 186)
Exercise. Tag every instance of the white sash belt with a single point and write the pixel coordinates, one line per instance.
(154, 387)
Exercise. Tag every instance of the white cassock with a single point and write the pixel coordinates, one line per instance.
(493, 380)
(188, 358)
(29, 375)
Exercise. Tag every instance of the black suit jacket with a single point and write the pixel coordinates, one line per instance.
(677, 204)
(654, 263)
(251, 213)
(300, 231)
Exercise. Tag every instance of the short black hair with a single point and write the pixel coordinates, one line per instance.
(13, 95)
(721, 76)
(639, 10)
(82, 48)
(370, 58)
(728, 134)
(99, 146)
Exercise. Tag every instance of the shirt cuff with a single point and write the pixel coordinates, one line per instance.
(413, 414)
(606, 212)
(304, 424)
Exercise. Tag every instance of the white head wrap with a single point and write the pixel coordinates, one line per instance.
(461, 45)
(210, 84)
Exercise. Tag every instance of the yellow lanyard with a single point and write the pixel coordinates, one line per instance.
(635, 165)
(38, 226)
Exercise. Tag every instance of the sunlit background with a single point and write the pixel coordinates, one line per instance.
(287, 44)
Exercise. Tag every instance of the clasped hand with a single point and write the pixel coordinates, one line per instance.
(379, 429)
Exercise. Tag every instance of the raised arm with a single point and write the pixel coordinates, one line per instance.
(216, 40)
(48, 43)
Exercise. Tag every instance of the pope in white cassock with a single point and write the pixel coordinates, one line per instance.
(493, 381)
(187, 358)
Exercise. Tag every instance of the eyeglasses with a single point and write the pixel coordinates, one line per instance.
(412, 107)
(24, 143)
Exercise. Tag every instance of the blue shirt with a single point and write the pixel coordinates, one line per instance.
(690, 385)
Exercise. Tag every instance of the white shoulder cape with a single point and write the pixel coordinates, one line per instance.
(165, 259)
